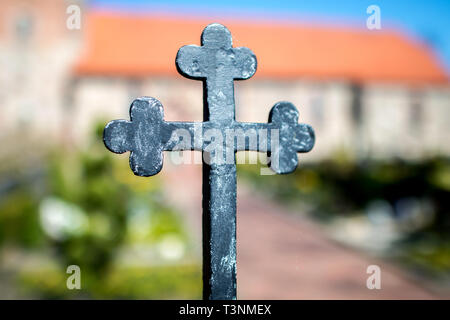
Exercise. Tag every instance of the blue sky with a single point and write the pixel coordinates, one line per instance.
(428, 21)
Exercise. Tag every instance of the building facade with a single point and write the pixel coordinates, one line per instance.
(369, 94)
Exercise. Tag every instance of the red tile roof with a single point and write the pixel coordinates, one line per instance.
(140, 46)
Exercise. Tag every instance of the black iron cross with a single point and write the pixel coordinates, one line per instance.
(147, 135)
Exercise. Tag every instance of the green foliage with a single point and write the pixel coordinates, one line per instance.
(84, 205)
(19, 219)
(343, 187)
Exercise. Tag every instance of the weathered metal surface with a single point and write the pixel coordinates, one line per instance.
(147, 135)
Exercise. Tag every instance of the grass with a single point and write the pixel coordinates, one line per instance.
(155, 282)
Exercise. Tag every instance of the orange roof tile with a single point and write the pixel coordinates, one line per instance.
(138, 46)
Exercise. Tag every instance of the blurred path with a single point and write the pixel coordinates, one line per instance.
(282, 255)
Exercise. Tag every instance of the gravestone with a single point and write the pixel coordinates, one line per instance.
(219, 137)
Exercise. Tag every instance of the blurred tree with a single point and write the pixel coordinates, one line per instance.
(86, 205)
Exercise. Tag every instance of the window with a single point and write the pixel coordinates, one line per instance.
(317, 106)
(356, 107)
(317, 109)
(24, 27)
(416, 113)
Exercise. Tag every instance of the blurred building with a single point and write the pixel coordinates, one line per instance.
(37, 52)
(372, 93)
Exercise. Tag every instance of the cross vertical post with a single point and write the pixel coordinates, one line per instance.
(218, 64)
(147, 135)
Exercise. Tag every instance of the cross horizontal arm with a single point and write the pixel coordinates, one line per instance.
(147, 135)
(241, 136)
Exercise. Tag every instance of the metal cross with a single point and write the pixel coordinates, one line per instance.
(147, 135)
